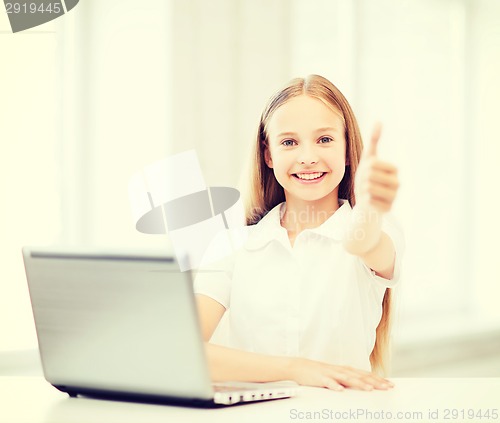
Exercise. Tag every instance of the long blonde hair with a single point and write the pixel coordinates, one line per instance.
(264, 192)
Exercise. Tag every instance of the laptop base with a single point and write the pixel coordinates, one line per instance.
(75, 392)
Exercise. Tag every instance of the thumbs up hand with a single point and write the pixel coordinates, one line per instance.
(376, 182)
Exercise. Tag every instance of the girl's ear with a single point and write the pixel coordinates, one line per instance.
(267, 158)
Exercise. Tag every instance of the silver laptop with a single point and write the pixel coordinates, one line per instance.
(124, 326)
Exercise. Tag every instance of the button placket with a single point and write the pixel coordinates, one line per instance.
(298, 252)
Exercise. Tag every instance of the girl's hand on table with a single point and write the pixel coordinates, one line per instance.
(315, 373)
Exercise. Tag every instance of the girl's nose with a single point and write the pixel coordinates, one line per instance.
(308, 162)
(307, 156)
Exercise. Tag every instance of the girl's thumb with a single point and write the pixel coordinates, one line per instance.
(371, 149)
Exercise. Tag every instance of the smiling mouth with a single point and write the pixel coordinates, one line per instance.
(309, 176)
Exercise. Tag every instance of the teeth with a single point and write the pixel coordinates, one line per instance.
(309, 176)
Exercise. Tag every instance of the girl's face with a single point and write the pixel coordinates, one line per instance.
(307, 149)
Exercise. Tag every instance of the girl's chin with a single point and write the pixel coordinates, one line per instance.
(320, 197)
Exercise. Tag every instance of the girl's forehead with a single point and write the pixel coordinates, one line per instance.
(302, 113)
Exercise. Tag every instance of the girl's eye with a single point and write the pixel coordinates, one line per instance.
(325, 140)
(288, 143)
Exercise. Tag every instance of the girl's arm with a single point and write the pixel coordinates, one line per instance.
(376, 186)
(227, 364)
(365, 239)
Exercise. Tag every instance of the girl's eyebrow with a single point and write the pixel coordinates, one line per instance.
(327, 128)
(286, 134)
(292, 134)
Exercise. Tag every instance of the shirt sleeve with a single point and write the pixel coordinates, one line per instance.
(393, 229)
(214, 276)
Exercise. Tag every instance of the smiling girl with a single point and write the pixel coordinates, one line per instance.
(307, 294)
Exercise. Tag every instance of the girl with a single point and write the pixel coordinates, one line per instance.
(307, 293)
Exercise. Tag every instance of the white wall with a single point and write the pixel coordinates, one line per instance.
(29, 172)
(485, 150)
(124, 78)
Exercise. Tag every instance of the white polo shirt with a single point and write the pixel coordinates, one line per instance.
(312, 300)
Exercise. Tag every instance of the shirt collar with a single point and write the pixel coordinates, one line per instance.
(336, 224)
(269, 228)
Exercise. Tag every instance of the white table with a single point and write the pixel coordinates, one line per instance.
(33, 400)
